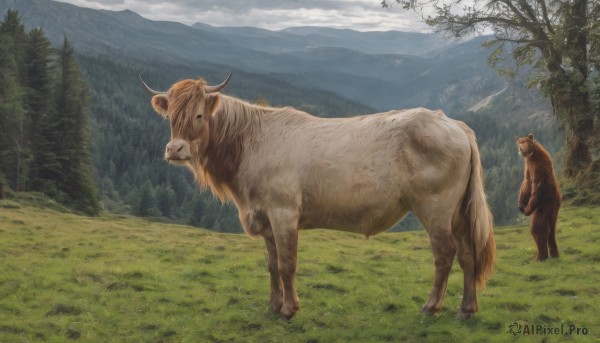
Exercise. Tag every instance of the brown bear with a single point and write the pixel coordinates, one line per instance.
(539, 196)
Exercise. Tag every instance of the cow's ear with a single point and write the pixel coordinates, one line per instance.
(213, 101)
(160, 103)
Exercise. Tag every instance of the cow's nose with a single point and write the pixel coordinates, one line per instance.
(175, 146)
(177, 150)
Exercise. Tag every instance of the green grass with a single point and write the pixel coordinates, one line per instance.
(65, 277)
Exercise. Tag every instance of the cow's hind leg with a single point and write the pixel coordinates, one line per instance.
(443, 253)
(284, 223)
(468, 306)
(276, 292)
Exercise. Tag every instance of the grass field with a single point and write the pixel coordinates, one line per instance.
(65, 277)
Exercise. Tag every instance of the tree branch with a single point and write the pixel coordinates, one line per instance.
(529, 25)
(542, 4)
(533, 26)
(529, 10)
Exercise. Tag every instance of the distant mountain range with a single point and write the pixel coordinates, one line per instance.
(310, 37)
(383, 70)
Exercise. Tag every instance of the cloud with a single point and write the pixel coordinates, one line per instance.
(363, 15)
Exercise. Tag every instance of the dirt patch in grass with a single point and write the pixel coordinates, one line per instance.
(566, 292)
(73, 334)
(392, 308)
(334, 269)
(329, 287)
(119, 286)
(8, 287)
(514, 306)
(63, 309)
(252, 327)
(11, 329)
(536, 277)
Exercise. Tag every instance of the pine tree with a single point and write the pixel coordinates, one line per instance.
(12, 154)
(10, 113)
(72, 145)
(2, 182)
(197, 211)
(165, 200)
(13, 28)
(146, 202)
(41, 117)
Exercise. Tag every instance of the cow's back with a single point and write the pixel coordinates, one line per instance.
(358, 174)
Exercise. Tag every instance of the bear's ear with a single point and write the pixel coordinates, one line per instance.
(530, 136)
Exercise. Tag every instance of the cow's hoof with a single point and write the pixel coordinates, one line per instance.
(276, 305)
(288, 312)
(463, 315)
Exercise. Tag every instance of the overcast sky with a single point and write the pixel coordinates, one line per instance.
(362, 15)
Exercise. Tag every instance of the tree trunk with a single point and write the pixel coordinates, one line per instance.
(570, 95)
(579, 156)
(577, 120)
(579, 113)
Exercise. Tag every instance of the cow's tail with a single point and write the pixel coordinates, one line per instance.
(474, 220)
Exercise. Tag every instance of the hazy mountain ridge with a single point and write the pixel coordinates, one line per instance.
(349, 63)
(306, 37)
(124, 32)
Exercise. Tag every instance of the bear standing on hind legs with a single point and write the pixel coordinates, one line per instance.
(539, 196)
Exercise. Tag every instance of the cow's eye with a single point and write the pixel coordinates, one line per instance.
(198, 116)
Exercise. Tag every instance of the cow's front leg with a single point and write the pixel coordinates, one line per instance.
(257, 223)
(284, 223)
(276, 292)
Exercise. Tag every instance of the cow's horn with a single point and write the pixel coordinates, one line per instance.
(148, 89)
(213, 89)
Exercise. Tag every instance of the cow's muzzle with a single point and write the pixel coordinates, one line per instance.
(177, 151)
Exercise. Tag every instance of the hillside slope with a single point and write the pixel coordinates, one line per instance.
(123, 279)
